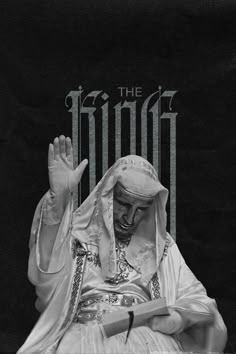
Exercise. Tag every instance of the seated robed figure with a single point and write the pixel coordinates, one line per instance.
(113, 252)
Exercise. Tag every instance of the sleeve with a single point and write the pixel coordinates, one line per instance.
(46, 282)
(205, 330)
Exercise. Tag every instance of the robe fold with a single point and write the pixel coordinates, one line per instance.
(152, 264)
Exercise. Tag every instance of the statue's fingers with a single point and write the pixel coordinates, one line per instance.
(167, 324)
(56, 149)
(77, 174)
(153, 323)
(80, 169)
(62, 146)
(157, 323)
(69, 150)
(50, 155)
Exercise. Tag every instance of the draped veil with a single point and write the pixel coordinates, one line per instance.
(58, 288)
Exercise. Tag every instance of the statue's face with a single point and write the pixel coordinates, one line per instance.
(128, 211)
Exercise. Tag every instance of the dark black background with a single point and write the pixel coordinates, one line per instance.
(48, 48)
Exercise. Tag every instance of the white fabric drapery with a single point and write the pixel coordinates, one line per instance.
(58, 288)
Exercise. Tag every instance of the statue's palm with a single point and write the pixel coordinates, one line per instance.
(63, 178)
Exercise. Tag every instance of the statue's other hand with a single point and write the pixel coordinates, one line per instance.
(63, 178)
(167, 324)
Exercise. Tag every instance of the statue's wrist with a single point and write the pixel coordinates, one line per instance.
(54, 207)
(59, 200)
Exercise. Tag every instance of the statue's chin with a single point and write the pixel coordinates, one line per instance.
(121, 234)
(123, 237)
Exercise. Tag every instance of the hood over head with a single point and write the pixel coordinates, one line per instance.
(93, 221)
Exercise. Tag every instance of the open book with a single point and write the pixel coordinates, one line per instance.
(119, 321)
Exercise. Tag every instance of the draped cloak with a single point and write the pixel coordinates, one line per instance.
(58, 289)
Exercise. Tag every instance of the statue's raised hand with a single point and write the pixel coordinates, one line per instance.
(63, 178)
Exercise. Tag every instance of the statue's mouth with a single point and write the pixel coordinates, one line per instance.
(125, 226)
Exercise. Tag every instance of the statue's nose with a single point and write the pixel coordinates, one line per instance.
(129, 219)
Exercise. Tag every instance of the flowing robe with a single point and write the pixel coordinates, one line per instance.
(158, 270)
(60, 288)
